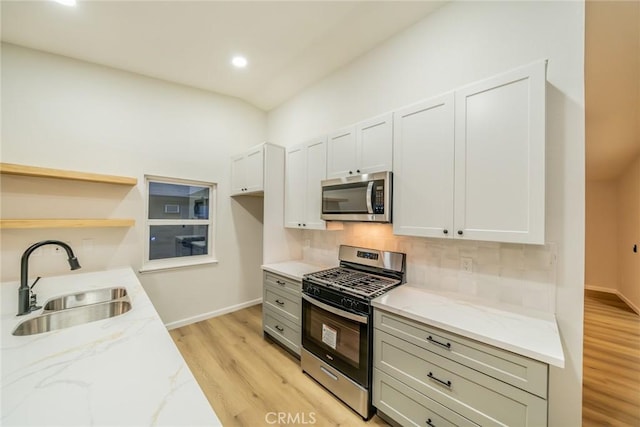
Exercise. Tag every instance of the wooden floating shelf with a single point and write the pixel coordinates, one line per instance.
(13, 169)
(65, 223)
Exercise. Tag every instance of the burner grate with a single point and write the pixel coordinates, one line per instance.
(353, 281)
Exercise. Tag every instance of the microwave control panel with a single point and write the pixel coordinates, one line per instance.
(378, 206)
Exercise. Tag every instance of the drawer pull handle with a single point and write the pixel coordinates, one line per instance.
(329, 374)
(441, 344)
(444, 383)
(280, 282)
(279, 302)
(429, 423)
(280, 328)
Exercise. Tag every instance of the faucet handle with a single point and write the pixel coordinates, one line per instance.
(34, 282)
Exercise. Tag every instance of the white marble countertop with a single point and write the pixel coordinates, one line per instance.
(294, 270)
(534, 335)
(123, 371)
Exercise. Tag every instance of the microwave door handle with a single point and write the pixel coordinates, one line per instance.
(369, 191)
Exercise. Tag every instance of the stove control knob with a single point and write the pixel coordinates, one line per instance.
(348, 302)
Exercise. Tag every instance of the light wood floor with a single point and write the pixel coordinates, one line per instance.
(248, 378)
(611, 376)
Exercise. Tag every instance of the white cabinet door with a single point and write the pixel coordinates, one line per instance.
(423, 168)
(306, 166)
(341, 153)
(247, 171)
(500, 164)
(295, 186)
(375, 144)
(316, 169)
(238, 174)
(254, 165)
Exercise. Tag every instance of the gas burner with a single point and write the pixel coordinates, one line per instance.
(355, 282)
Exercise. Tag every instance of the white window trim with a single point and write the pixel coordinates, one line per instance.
(186, 261)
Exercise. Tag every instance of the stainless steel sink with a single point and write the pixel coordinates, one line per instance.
(72, 317)
(93, 296)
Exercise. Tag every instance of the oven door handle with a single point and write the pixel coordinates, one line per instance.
(336, 311)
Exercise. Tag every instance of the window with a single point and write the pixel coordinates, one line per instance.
(179, 223)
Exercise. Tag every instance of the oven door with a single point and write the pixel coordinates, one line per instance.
(338, 337)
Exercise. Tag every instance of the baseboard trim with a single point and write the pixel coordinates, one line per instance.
(211, 314)
(629, 303)
(626, 300)
(601, 289)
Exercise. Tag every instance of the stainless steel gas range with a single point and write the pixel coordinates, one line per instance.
(337, 330)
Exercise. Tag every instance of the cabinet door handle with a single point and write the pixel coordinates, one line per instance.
(280, 282)
(358, 170)
(279, 302)
(460, 232)
(350, 172)
(430, 424)
(280, 328)
(439, 381)
(441, 344)
(445, 231)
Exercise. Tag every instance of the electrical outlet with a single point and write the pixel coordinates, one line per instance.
(466, 264)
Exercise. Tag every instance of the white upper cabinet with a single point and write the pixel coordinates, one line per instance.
(342, 153)
(471, 164)
(247, 171)
(306, 166)
(374, 142)
(366, 147)
(423, 156)
(500, 157)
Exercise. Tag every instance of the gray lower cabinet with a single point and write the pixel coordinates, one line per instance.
(281, 310)
(426, 376)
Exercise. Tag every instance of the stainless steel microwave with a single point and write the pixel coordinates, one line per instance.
(358, 198)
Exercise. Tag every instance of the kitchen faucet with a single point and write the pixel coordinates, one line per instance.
(26, 301)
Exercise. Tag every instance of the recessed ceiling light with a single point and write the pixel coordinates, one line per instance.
(66, 2)
(239, 61)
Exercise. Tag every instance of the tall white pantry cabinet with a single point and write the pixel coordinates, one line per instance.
(470, 164)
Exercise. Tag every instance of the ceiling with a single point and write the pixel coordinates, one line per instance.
(612, 87)
(292, 44)
(289, 44)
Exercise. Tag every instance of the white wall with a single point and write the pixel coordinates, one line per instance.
(458, 44)
(67, 114)
(601, 242)
(629, 234)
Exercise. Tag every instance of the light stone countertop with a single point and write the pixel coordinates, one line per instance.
(293, 270)
(122, 371)
(534, 335)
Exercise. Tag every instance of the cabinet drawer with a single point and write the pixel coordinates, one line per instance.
(282, 302)
(478, 397)
(281, 282)
(410, 408)
(285, 332)
(527, 374)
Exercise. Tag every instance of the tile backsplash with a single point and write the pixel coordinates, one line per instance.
(501, 273)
